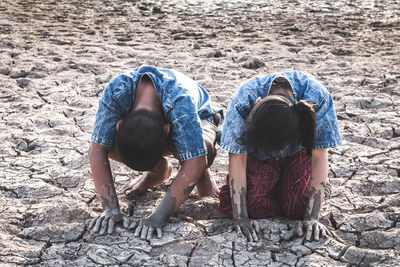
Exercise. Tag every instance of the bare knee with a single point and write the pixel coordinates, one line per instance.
(162, 168)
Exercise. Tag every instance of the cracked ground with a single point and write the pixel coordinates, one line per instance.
(56, 57)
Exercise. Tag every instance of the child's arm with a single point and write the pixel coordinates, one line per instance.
(319, 176)
(238, 190)
(190, 172)
(102, 177)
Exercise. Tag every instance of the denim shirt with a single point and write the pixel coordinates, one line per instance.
(183, 101)
(304, 87)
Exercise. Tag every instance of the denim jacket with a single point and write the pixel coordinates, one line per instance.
(184, 104)
(304, 87)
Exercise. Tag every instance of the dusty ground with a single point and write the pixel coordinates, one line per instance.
(56, 57)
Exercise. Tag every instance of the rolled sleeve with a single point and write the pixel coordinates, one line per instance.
(238, 110)
(233, 128)
(104, 127)
(327, 128)
(114, 103)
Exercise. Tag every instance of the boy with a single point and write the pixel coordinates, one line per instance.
(143, 115)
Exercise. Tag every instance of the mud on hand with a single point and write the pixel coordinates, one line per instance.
(106, 222)
(250, 228)
(314, 230)
(148, 225)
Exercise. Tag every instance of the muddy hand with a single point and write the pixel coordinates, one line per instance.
(314, 230)
(111, 215)
(147, 226)
(248, 227)
(106, 221)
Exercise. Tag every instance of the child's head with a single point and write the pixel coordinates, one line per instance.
(276, 120)
(140, 139)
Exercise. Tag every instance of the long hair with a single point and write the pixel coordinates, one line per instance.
(276, 121)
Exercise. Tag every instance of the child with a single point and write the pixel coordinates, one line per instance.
(277, 131)
(143, 115)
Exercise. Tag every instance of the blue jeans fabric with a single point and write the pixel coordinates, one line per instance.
(304, 87)
(185, 103)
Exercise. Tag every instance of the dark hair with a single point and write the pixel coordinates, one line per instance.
(275, 121)
(280, 83)
(140, 139)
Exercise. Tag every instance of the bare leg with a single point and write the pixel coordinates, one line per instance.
(150, 179)
(206, 186)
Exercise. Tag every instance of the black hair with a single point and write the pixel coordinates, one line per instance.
(140, 139)
(276, 121)
(280, 83)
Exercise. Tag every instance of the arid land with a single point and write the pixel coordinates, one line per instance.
(56, 57)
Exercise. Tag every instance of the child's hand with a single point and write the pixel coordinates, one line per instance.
(111, 214)
(107, 220)
(313, 229)
(148, 225)
(248, 227)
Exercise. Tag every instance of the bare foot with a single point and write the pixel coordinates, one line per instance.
(206, 186)
(139, 185)
(150, 179)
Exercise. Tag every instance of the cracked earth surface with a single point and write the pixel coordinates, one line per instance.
(56, 57)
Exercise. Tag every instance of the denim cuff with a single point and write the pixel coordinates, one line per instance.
(233, 150)
(192, 154)
(328, 144)
(101, 141)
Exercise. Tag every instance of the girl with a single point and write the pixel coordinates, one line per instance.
(277, 131)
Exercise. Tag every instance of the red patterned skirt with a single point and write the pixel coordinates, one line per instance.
(274, 187)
